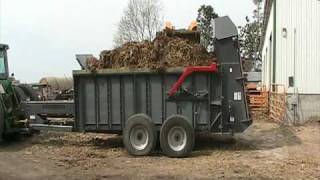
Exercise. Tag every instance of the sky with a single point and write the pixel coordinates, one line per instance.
(45, 35)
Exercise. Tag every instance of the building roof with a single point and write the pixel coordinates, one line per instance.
(266, 16)
(253, 76)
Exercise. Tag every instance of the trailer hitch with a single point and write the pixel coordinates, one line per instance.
(188, 71)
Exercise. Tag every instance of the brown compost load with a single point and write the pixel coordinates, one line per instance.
(163, 52)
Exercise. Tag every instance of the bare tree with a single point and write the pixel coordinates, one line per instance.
(141, 20)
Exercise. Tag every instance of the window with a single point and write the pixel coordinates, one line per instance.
(2, 63)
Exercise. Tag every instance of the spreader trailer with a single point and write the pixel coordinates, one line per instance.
(145, 105)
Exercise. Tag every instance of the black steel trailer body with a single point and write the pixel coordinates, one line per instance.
(137, 103)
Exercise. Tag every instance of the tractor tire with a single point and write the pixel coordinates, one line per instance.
(27, 89)
(177, 137)
(21, 97)
(1, 124)
(20, 94)
(139, 135)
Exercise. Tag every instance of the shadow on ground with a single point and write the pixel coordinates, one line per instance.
(15, 143)
(260, 136)
(79, 139)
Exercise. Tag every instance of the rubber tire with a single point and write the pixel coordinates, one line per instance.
(27, 89)
(144, 120)
(2, 125)
(20, 94)
(180, 121)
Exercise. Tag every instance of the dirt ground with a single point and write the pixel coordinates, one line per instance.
(265, 151)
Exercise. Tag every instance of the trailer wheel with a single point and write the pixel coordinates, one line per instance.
(139, 135)
(177, 137)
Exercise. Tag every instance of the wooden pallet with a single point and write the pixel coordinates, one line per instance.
(277, 102)
(257, 101)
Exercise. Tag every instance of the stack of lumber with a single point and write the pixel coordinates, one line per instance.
(257, 99)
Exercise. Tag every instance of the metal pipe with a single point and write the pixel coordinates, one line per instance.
(295, 59)
(294, 76)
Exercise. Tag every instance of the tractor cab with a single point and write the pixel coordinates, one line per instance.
(11, 97)
(4, 70)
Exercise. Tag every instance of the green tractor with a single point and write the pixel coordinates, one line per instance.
(12, 118)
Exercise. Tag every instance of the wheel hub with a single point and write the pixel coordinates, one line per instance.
(177, 138)
(139, 137)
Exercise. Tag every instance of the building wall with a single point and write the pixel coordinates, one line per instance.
(267, 56)
(297, 54)
(302, 108)
(298, 44)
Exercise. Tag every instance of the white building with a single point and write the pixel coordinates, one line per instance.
(291, 53)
